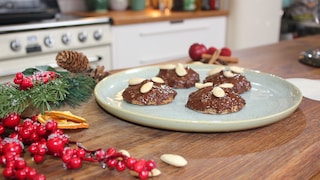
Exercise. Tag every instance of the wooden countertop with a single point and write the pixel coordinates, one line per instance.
(151, 15)
(288, 149)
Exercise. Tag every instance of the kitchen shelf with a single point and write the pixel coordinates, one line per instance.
(151, 15)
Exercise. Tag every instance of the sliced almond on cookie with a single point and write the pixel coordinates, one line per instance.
(135, 81)
(146, 87)
(218, 92)
(180, 70)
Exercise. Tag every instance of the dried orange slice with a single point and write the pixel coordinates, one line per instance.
(65, 119)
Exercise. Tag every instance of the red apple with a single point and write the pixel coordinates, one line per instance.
(196, 50)
(225, 52)
(211, 50)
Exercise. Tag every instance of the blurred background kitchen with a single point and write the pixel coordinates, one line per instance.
(131, 33)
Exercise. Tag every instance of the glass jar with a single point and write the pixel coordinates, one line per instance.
(189, 5)
(119, 5)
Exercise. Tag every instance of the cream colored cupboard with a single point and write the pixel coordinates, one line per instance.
(149, 43)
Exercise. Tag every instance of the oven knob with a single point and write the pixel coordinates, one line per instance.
(82, 36)
(15, 45)
(49, 41)
(66, 39)
(97, 34)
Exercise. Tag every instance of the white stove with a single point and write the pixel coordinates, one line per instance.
(37, 43)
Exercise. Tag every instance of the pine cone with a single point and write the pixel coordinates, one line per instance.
(98, 73)
(72, 61)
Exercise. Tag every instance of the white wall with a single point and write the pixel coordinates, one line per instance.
(252, 22)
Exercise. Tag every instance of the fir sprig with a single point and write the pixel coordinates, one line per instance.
(43, 96)
(12, 99)
(80, 90)
(66, 89)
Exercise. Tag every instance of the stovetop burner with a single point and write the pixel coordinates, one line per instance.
(23, 11)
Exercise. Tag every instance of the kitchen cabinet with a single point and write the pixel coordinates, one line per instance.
(147, 43)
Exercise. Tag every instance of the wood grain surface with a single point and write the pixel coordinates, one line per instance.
(288, 149)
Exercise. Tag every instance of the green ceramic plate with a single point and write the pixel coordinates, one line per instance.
(270, 100)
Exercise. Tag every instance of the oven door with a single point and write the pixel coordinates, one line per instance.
(100, 55)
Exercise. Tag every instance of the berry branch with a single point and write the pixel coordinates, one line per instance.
(47, 139)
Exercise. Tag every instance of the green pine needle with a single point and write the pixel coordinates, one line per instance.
(65, 90)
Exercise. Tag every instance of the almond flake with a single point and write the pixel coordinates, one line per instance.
(154, 172)
(226, 85)
(124, 152)
(228, 74)
(180, 70)
(218, 92)
(168, 66)
(237, 69)
(157, 80)
(135, 81)
(216, 70)
(174, 160)
(200, 85)
(146, 87)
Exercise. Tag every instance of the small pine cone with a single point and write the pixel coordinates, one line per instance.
(72, 61)
(98, 73)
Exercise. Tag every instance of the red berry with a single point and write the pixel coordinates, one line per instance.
(17, 81)
(100, 154)
(55, 146)
(33, 149)
(144, 174)
(38, 158)
(151, 164)
(20, 174)
(18, 78)
(130, 162)
(52, 74)
(51, 126)
(13, 147)
(66, 158)
(75, 163)
(26, 83)
(111, 163)
(31, 173)
(20, 164)
(11, 121)
(1, 129)
(111, 151)
(120, 166)
(81, 153)
(211, 50)
(19, 75)
(139, 165)
(8, 172)
(225, 52)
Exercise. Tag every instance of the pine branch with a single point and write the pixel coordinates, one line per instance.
(80, 90)
(65, 89)
(12, 100)
(43, 96)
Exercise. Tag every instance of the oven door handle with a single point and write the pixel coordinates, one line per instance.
(90, 59)
(54, 65)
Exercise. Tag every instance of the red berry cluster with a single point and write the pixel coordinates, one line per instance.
(49, 140)
(15, 167)
(27, 82)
